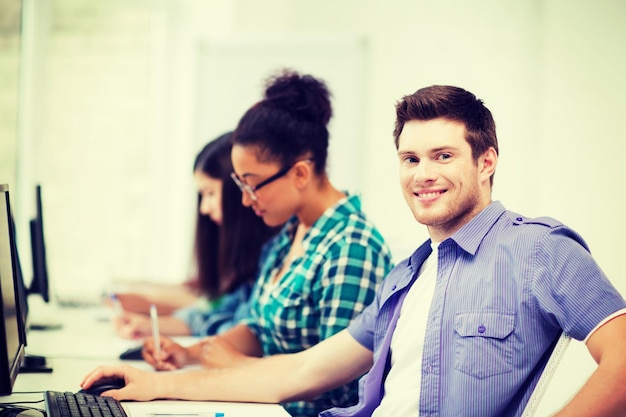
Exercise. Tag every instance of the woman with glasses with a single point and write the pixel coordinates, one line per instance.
(323, 267)
(228, 244)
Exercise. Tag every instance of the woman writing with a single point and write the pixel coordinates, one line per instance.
(228, 244)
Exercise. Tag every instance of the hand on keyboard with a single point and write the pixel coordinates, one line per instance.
(139, 385)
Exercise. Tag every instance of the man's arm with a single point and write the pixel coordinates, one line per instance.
(604, 394)
(277, 378)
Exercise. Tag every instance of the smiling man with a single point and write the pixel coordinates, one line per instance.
(443, 184)
(466, 324)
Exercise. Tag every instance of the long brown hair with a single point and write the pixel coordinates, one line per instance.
(226, 254)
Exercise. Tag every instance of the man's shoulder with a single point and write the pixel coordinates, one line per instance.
(513, 225)
(496, 213)
(517, 219)
(546, 228)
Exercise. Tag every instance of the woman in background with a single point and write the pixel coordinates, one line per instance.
(323, 267)
(228, 244)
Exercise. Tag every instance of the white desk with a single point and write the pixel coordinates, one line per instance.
(87, 340)
(86, 332)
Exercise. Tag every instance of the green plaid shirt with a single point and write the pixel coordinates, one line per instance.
(345, 258)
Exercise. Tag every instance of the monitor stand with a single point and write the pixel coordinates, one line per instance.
(35, 364)
(44, 326)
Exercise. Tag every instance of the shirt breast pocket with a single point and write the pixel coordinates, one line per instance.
(483, 343)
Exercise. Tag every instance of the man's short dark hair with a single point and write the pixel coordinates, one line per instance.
(452, 103)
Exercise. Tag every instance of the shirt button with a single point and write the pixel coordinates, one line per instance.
(393, 288)
(519, 219)
(481, 329)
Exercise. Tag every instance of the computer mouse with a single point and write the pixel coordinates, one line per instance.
(103, 385)
(133, 354)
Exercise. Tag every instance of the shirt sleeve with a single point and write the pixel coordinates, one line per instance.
(362, 327)
(569, 286)
(217, 316)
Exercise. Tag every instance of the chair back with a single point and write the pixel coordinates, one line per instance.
(546, 375)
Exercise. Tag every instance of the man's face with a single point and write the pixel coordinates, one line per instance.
(441, 182)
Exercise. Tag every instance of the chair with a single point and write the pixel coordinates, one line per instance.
(546, 376)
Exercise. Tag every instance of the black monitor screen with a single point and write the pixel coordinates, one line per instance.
(39, 284)
(12, 345)
(20, 287)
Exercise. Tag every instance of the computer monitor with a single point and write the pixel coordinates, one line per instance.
(13, 344)
(20, 287)
(39, 284)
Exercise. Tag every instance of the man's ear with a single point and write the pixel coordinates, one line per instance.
(488, 162)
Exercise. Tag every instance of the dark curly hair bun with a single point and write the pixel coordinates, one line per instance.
(302, 95)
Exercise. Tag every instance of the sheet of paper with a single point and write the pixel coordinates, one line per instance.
(202, 409)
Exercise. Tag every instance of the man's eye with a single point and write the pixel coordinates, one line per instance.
(410, 160)
(444, 156)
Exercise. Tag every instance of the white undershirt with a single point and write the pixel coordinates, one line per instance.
(402, 386)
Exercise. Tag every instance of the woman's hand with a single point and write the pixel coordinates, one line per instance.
(172, 355)
(132, 325)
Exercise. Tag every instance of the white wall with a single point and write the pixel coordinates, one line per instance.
(117, 129)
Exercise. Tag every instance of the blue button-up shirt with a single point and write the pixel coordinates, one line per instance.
(507, 286)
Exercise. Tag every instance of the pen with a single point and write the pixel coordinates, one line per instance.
(155, 332)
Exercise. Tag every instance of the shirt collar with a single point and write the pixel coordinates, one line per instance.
(467, 237)
(419, 256)
(338, 212)
(471, 234)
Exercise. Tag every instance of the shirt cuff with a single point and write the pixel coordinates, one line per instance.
(607, 319)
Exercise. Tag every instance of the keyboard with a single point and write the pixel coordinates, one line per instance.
(78, 404)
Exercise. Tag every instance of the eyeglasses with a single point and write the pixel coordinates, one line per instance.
(252, 189)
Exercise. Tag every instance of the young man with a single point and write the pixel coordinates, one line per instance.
(466, 324)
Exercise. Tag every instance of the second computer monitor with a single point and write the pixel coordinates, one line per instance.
(39, 284)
